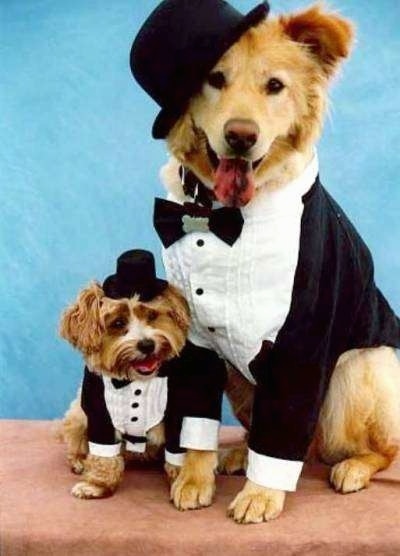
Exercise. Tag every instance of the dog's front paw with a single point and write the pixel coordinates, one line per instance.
(255, 504)
(190, 493)
(85, 490)
(195, 485)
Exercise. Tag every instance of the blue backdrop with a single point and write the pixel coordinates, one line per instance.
(79, 169)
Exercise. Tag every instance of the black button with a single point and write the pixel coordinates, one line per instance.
(211, 329)
(200, 242)
(199, 291)
(135, 405)
(138, 392)
(134, 419)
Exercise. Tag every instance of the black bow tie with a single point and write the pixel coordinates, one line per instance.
(133, 439)
(172, 221)
(120, 383)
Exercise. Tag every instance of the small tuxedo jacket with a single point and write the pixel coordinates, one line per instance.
(121, 411)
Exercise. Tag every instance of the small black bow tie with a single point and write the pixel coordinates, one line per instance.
(172, 221)
(120, 383)
(133, 439)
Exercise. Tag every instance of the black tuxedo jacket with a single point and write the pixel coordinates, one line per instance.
(335, 307)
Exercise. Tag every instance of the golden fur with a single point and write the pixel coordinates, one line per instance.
(107, 332)
(360, 417)
(304, 51)
(194, 485)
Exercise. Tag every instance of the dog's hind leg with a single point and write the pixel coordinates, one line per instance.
(74, 434)
(360, 417)
(233, 460)
(354, 474)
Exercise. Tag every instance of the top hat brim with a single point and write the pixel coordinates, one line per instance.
(166, 119)
(115, 289)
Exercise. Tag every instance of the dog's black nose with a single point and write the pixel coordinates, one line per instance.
(146, 346)
(241, 135)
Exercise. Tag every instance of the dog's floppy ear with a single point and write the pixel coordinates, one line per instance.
(328, 36)
(179, 308)
(81, 323)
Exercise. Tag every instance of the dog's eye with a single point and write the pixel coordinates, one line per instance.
(152, 315)
(117, 324)
(216, 80)
(274, 86)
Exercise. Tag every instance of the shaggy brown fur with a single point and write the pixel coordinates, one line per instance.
(360, 416)
(96, 326)
(102, 477)
(107, 331)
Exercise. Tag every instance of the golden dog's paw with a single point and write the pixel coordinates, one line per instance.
(255, 504)
(87, 491)
(190, 493)
(232, 460)
(350, 475)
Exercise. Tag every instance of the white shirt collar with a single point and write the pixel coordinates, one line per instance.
(267, 201)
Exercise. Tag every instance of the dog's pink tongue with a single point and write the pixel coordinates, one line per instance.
(234, 182)
(147, 366)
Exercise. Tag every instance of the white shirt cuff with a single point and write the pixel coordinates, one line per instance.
(174, 459)
(280, 474)
(199, 433)
(104, 450)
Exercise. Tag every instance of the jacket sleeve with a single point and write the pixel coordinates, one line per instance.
(101, 432)
(195, 388)
(293, 376)
(287, 401)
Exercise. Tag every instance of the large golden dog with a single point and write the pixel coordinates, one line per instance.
(273, 85)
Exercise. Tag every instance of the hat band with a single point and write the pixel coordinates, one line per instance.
(118, 289)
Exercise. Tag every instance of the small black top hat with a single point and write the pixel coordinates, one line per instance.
(177, 47)
(136, 274)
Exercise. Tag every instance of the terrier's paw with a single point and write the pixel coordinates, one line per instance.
(85, 490)
(255, 504)
(76, 464)
(189, 492)
(232, 460)
(350, 475)
(172, 471)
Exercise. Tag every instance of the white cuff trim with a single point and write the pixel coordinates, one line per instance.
(104, 450)
(199, 433)
(174, 459)
(137, 447)
(281, 474)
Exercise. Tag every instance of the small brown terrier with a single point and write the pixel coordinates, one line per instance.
(121, 339)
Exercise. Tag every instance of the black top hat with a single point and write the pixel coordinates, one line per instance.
(177, 47)
(136, 274)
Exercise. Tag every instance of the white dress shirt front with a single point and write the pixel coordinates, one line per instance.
(240, 296)
(134, 409)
